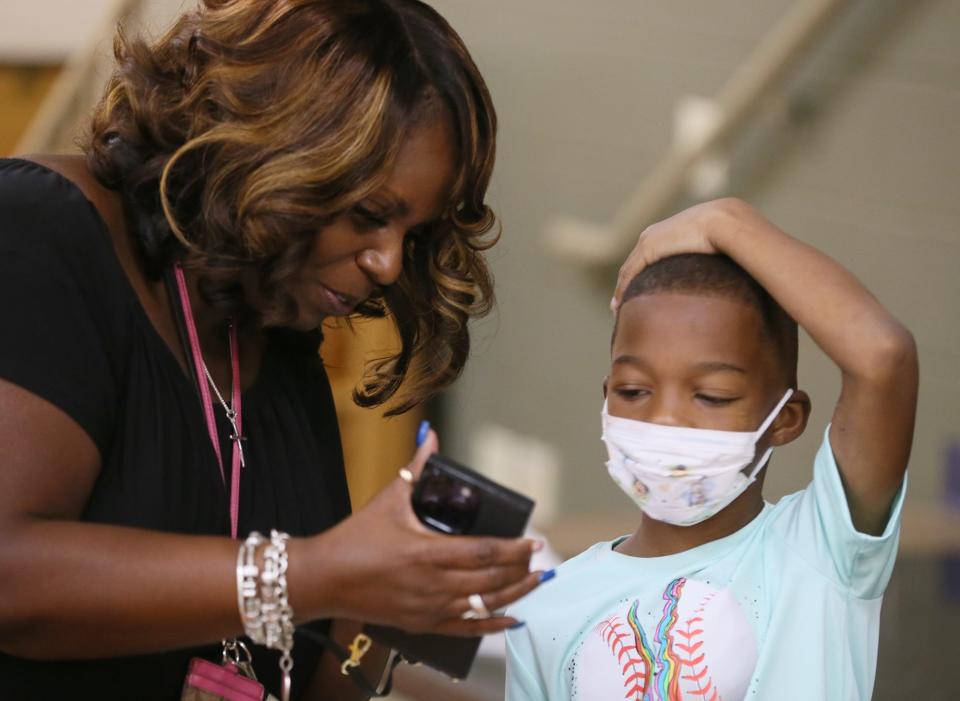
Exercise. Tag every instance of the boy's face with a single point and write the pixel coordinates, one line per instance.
(700, 361)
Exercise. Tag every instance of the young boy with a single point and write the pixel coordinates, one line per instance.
(718, 595)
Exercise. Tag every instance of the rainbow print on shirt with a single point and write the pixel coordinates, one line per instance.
(670, 661)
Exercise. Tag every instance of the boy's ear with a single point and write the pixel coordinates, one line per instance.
(605, 380)
(792, 421)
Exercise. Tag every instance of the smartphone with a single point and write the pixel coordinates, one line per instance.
(456, 500)
(453, 499)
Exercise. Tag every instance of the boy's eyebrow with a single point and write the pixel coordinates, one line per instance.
(706, 366)
(629, 360)
(719, 366)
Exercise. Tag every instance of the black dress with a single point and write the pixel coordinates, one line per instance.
(73, 332)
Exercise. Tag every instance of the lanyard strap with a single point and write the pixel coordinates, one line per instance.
(207, 400)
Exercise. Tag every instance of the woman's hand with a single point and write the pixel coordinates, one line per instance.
(698, 229)
(382, 565)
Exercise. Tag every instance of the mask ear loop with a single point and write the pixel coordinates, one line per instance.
(763, 428)
(760, 465)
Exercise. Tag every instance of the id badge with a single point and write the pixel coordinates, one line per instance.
(209, 681)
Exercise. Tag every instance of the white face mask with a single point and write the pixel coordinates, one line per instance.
(682, 475)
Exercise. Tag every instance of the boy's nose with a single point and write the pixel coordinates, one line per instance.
(665, 413)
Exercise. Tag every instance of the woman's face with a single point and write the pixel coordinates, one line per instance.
(362, 249)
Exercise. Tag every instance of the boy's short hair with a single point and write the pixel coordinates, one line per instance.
(720, 276)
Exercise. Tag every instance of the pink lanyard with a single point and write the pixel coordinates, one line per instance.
(235, 405)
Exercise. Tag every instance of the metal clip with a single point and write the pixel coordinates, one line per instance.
(234, 651)
(358, 648)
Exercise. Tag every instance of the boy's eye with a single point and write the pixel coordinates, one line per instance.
(630, 392)
(712, 400)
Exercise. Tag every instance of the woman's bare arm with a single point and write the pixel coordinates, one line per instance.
(70, 589)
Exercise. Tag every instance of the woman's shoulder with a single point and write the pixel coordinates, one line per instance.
(51, 195)
(52, 235)
(59, 175)
(53, 209)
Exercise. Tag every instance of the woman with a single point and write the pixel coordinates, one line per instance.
(264, 165)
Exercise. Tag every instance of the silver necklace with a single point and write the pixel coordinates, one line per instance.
(228, 409)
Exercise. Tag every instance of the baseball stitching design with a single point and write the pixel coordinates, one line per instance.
(654, 672)
(617, 635)
(699, 675)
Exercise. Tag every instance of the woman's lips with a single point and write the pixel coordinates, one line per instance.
(339, 304)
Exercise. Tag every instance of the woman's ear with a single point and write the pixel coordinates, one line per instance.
(605, 380)
(792, 421)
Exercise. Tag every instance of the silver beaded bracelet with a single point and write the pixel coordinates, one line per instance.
(277, 612)
(262, 596)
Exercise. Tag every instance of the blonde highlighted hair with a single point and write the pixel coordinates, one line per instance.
(234, 137)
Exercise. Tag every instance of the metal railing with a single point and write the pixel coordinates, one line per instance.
(760, 75)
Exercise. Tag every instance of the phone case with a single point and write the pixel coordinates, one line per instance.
(500, 512)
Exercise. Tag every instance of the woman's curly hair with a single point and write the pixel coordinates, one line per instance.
(234, 137)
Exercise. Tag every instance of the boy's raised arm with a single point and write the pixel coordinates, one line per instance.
(872, 427)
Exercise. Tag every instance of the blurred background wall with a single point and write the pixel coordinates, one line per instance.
(865, 167)
(858, 154)
(855, 151)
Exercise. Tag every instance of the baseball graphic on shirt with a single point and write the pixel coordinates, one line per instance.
(695, 643)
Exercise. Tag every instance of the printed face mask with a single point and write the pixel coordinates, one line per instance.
(682, 475)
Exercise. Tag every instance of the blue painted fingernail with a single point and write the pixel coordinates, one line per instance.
(518, 624)
(547, 576)
(422, 432)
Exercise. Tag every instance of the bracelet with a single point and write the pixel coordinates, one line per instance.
(277, 614)
(248, 599)
(263, 600)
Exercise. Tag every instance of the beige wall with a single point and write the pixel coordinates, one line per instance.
(22, 88)
(870, 173)
(47, 31)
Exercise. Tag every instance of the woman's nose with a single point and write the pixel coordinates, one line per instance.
(383, 262)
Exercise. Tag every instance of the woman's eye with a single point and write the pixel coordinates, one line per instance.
(370, 218)
(715, 401)
(418, 232)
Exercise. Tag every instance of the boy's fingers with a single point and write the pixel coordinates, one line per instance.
(634, 263)
(627, 272)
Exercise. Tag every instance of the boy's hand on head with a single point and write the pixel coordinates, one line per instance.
(872, 425)
(696, 229)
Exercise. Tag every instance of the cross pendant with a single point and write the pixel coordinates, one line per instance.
(238, 439)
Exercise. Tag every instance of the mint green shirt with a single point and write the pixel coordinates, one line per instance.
(788, 607)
